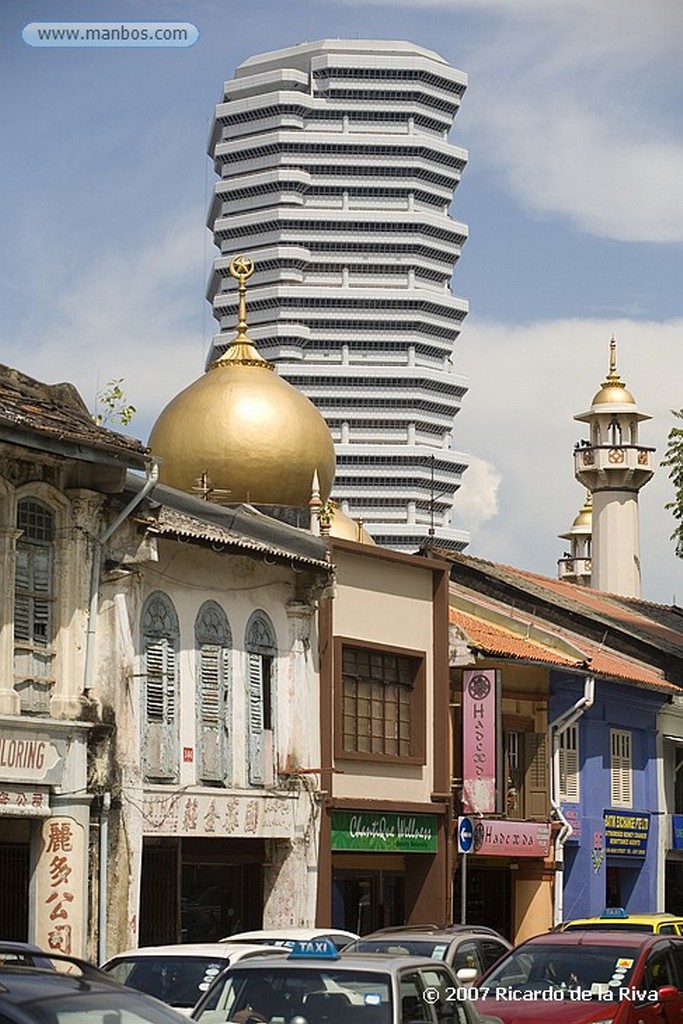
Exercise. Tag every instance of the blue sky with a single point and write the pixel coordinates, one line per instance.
(573, 195)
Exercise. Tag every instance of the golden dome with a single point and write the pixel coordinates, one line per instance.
(613, 390)
(585, 517)
(242, 431)
(346, 528)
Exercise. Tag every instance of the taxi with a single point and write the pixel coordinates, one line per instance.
(316, 984)
(617, 917)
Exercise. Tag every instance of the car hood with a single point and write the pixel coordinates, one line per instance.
(539, 1011)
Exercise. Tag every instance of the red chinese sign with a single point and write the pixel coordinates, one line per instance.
(480, 711)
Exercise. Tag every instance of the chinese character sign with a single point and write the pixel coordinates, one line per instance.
(60, 886)
(479, 740)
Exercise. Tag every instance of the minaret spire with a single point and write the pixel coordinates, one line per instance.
(613, 466)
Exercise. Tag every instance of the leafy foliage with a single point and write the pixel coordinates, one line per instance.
(111, 405)
(674, 459)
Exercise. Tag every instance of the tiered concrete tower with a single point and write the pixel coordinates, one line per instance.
(336, 177)
(613, 466)
(575, 565)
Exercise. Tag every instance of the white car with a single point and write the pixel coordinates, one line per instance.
(287, 936)
(179, 974)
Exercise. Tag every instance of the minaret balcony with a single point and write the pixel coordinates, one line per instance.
(621, 466)
(574, 570)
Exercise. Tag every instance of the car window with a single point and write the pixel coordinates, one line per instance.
(660, 968)
(414, 1007)
(490, 951)
(467, 955)
(448, 1009)
(677, 955)
(546, 967)
(667, 929)
(178, 981)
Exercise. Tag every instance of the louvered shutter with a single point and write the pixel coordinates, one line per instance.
(621, 773)
(255, 720)
(160, 707)
(22, 602)
(536, 803)
(41, 562)
(569, 764)
(211, 674)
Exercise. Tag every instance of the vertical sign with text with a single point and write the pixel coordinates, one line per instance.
(480, 714)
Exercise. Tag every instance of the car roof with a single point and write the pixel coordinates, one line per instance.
(288, 933)
(626, 919)
(352, 961)
(616, 937)
(20, 983)
(222, 950)
(437, 934)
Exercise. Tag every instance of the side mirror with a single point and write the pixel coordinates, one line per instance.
(466, 975)
(667, 993)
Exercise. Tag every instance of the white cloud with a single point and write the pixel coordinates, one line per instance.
(478, 495)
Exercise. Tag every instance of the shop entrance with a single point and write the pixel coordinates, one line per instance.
(365, 900)
(489, 898)
(200, 890)
(14, 879)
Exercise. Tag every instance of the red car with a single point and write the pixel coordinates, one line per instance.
(587, 977)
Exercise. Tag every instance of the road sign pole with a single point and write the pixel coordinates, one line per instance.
(463, 889)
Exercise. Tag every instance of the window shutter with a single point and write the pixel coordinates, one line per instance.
(569, 764)
(536, 775)
(255, 720)
(22, 603)
(160, 736)
(211, 671)
(621, 769)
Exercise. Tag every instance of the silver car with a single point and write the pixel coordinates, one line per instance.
(315, 984)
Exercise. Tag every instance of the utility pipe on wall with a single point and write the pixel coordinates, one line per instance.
(559, 726)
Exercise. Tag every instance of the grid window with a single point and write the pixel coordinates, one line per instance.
(377, 698)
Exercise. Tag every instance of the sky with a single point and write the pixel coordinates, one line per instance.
(573, 196)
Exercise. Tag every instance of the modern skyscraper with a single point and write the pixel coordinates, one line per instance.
(336, 178)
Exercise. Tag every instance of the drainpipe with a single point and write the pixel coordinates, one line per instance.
(557, 727)
(150, 483)
(102, 896)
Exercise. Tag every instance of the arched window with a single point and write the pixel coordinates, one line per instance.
(213, 642)
(160, 641)
(261, 651)
(34, 596)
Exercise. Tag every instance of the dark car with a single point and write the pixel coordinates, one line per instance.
(469, 949)
(589, 977)
(74, 992)
(23, 954)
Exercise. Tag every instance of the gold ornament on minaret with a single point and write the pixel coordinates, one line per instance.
(244, 428)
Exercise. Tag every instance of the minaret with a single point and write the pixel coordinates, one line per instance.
(613, 466)
(575, 565)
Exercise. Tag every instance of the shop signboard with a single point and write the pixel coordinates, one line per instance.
(511, 838)
(626, 833)
(480, 732)
(384, 831)
(677, 831)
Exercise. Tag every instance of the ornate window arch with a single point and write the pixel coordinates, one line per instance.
(261, 647)
(160, 641)
(213, 646)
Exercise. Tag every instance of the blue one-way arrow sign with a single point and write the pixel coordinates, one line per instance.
(465, 835)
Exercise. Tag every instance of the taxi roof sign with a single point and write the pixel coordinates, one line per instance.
(314, 949)
(613, 912)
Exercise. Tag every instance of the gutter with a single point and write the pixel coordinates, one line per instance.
(557, 727)
(150, 482)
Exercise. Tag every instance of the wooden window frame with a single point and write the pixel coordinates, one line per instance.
(417, 706)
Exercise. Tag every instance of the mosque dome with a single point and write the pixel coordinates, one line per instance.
(613, 391)
(345, 528)
(243, 433)
(584, 520)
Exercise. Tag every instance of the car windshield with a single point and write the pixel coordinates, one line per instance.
(279, 994)
(98, 1008)
(591, 970)
(177, 980)
(436, 949)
